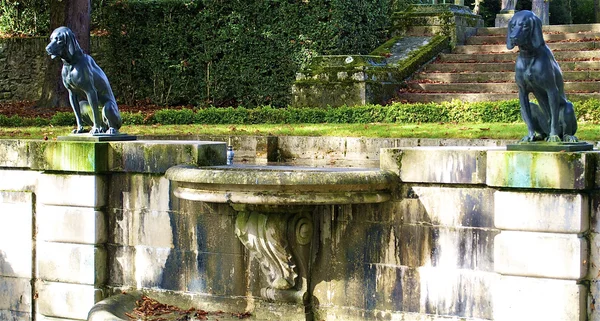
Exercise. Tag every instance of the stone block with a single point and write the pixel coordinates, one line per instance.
(16, 233)
(442, 165)
(15, 294)
(69, 156)
(144, 227)
(541, 212)
(64, 300)
(83, 225)
(448, 206)
(546, 255)
(568, 170)
(121, 265)
(523, 298)
(73, 263)
(72, 190)
(450, 248)
(415, 293)
(157, 156)
(18, 180)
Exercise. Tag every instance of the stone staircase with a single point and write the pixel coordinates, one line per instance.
(483, 69)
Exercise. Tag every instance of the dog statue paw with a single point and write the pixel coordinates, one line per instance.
(112, 131)
(78, 130)
(553, 139)
(570, 139)
(96, 130)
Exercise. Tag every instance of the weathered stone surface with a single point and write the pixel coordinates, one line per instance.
(447, 206)
(397, 290)
(157, 156)
(64, 300)
(15, 294)
(69, 156)
(541, 212)
(18, 180)
(451, 165)
(573, 171)
(72, 190)
(40, 317)
(546, 255)
(73, 263)
(65, 224)
(451, 248)
(7, 315)
(16, 230)
(522, 298)
(143, 227)
(14, 153)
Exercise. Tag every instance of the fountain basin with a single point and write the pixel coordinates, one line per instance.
(281, 185)
(276, 208)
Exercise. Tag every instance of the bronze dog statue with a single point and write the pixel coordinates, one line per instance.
(88, 87)
(537, 72)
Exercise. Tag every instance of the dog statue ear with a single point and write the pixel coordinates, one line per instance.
(537, 37)
(72, 44)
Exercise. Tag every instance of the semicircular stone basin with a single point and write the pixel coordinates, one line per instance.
(281, 185)
(275, 211)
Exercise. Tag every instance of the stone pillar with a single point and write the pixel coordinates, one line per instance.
(541, 8)
(71, 253)
(506, 13)
(542, 210)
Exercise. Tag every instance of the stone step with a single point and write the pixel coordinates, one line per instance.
(578, 28)
(497, 77)
(549, 37)
(504, 66)
(512, 56)
(477, 97)
(507, 87)
(556, 46)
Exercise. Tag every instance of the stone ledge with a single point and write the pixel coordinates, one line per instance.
(572, 171)
(441, 165)
(149, 156)
(547, 255)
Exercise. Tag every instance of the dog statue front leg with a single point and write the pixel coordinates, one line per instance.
(526, 114)
(92, 97)
(75, 105)
(553, 102)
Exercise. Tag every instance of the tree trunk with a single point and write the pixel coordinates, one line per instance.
(597, 11)
(74, 14)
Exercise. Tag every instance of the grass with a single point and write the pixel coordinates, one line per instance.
(588, 132)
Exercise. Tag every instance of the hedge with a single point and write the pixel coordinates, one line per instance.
(229, 53)
(450, 112)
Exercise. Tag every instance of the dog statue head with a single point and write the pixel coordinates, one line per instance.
(63, 44)
(525, 31)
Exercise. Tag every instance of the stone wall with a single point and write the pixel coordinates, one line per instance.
(472, 233)
(22, 65)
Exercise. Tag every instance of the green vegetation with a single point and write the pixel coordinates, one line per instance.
(403, 113)
(500, 120)
(509, 131)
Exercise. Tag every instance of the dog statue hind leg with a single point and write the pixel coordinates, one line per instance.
(111, 117)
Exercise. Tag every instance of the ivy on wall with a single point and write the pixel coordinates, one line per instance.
(229, 53)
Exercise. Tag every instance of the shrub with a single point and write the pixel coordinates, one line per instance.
(63, 119)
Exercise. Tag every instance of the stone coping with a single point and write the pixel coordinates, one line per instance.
(282, 185)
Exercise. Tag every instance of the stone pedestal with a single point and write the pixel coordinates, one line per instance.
(541, 253)
(503, 18)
